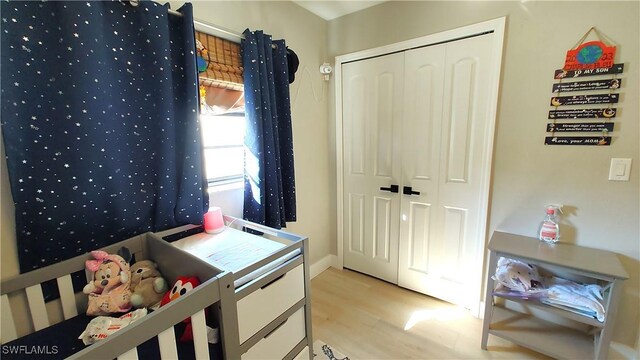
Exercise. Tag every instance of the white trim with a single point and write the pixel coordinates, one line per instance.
(323, 264)
(497, 52)
(498, 28)
(339, 161)
(621, 351)
(495, 25)
(218, 31)
(480, 315)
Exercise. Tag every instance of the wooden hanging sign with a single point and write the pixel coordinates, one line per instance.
(583, 113)
(590, 55)
(578, 140)
(615, 69)
(579, 127)
(584, 99)
(611, 84)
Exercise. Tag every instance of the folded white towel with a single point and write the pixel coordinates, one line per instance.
(585, 298)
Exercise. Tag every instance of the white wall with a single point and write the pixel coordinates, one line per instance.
(527, 174)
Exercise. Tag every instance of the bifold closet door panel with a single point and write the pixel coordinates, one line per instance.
(466, 134)
(419, 249)
(372, 93)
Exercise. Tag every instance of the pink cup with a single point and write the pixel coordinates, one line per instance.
(213, 222)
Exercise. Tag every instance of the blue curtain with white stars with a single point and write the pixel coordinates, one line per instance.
(269, 181)
(99, 123)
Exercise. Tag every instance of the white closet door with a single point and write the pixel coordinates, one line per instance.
(442, 235)
(422, 121)
(372, 93)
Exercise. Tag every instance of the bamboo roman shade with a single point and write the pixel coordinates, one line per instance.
(224, 63)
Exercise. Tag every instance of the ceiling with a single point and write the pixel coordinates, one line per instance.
(330, 10)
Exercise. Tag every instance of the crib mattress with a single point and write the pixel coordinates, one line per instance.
(60, 341)
(234, 250)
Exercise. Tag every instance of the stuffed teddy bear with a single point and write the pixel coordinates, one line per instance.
(182, 286)
(147, 284)
(109, 290)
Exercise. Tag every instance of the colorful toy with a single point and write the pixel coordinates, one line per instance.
(201, 56)
(109, 291)
(147, 284)
(182, 286)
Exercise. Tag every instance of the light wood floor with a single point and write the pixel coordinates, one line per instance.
(366, 318)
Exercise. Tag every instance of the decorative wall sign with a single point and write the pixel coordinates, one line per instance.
(590, 55)
(583, 113)
(593, 58)
(578, 140)
(611, 84)
(615, 69)
(579, 127)
(584, 99)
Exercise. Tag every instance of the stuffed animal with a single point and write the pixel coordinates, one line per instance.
(147, 284)
(182, 286)
(109, 290)
(518, 275)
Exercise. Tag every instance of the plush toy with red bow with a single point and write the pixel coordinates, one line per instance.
(182, 286)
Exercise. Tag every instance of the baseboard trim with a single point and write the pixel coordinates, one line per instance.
(620, 351)
(323, 264)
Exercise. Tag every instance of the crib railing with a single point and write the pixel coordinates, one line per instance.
(217, 288)
(30, 283)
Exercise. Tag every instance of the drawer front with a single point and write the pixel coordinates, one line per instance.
(304, 354)
(262, 306)
(281, 341)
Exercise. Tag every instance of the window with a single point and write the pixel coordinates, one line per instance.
(221, 109)
(223, 142)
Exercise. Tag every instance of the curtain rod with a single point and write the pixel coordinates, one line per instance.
(221, 32)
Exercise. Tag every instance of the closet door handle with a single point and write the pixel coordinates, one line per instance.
(407, 190)
(392, 188)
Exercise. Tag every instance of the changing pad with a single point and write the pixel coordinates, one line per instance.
(234, 250)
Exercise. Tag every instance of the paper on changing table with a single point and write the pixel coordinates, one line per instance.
(240, 255)
(234, 250)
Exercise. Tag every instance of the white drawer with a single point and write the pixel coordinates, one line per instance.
(262, 306)
(281, 341)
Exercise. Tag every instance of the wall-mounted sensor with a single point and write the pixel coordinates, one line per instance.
(325, 69)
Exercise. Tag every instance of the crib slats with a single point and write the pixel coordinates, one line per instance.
(129, 355)
(37, 308)
(200, 335)
(67, 297)
(167, 342)
(8, 326)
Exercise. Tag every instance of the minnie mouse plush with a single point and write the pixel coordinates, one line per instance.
(109, 291)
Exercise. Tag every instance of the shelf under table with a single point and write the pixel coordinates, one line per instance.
(540, 335)
(554, 310)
